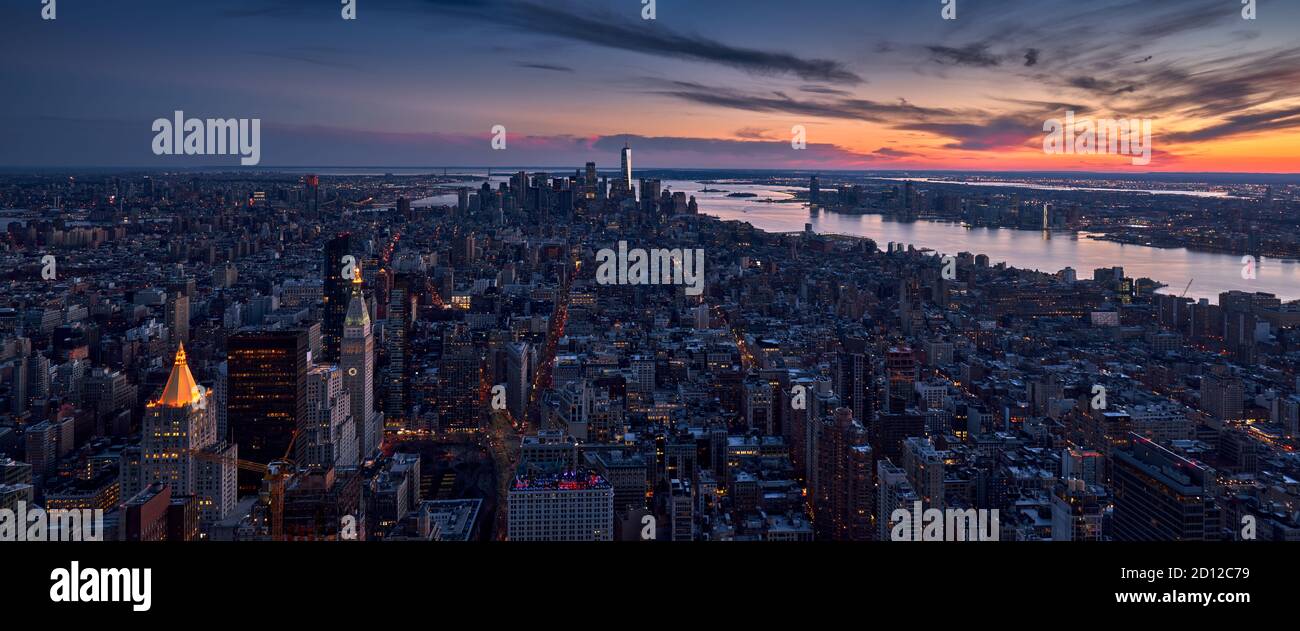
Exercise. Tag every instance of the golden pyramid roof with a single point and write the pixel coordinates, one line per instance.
(181, 390)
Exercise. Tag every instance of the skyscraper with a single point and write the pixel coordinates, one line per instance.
(358, 363)
(329, 436)
(335, 293)
(458, 382)
(900, 364)
(843, 495)
(266, 397)
(176, 425)
(178, 316)
(180, 446)
(519, 360)
(396, 329)
(627, 168)
(855, 384)
(590, 184)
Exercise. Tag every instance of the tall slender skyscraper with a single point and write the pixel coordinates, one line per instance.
(334, 293)
(396, 328)
(358, 363)
(627, 167)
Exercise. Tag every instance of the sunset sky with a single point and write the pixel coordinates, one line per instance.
(709, 83)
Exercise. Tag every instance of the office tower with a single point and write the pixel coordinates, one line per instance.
(311, 192)
(18, 386)
(650, 190)
(178, 316)
(1162, 496)
(626, 170)
(589, 182)
(814, 192)
(219, 388)
(889, 431)
(459, 375)
(328, 437)
(842, 497)
(266, 398)
(681, 510)
(1076, 512)
(42, 453)
(855, 383)
(335, 293)
(357, 361)
(894, 492)
(462, 201)
(519, 360)
(1222, 395)
(178, 427)
(757, 407)
(900, 366)
(924, 467)
(560, 505)
(396, 330)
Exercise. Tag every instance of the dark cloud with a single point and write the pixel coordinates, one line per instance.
(894, 153)
(1271, 120)
(842, 108)
(611, 32)
(1031, 57)
(821, 89)
(540, 66)
(756, 151)
(970, 55)
(595, 27)
(1000, 132)
(1099, 85)
(752, 133)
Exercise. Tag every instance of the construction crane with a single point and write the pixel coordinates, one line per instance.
(273, 475)
(1189, 286)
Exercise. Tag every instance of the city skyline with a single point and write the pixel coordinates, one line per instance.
(881, 87)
